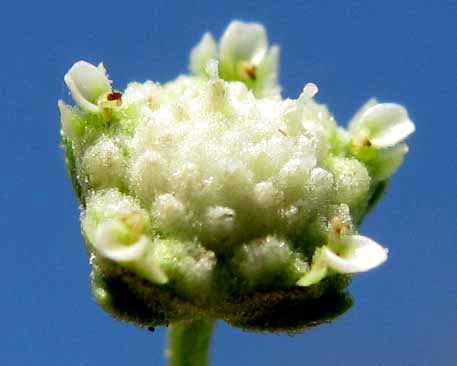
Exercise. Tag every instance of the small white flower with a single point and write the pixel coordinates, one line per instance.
(87, 83)
(360, 254)
(113, 241)
(348, 254)
(110, 242)
(242, 54)
(382, 125)
(243, 42)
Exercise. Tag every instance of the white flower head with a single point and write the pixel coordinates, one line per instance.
(382, 125)
(217, 185)
(87, 83)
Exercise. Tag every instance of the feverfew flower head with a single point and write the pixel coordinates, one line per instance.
(211, 196)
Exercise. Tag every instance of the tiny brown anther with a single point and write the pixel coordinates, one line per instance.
(251, 71)
(366, 142)
(114, 96)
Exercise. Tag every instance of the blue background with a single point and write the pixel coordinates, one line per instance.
(401, 51)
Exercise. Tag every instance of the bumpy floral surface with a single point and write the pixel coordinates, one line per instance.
(211, 196)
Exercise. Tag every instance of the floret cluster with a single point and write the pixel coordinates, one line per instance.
(212, 187)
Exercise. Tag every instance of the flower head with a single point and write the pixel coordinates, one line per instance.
(210, 196)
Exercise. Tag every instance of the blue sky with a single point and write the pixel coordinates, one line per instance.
(398, 51)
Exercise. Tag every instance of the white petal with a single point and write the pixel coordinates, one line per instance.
(202, 53)
(268, 73)
(355, 122)
(87, 83)
(109, 245)
(69, 119)
(388, 124)
(363, 255)
(243, 42)
(269, 65)
(317, 272)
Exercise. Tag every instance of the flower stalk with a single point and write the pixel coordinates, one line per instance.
(189, 342)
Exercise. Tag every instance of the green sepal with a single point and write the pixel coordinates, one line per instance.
(377, 192)
(70, 161)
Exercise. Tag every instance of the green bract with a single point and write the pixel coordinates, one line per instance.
(211, 196)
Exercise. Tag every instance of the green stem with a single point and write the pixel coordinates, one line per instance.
(189, 342)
